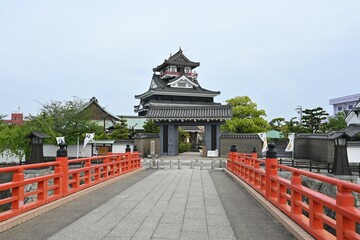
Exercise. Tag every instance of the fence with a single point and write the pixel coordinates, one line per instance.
(304, 205)
(62, 181)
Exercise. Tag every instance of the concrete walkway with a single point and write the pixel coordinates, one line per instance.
(158, 204)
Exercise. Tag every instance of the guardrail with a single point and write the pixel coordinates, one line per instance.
(304, 205)
(62, 179)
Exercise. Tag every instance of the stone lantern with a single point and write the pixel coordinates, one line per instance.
(37, 153)
(341, 163)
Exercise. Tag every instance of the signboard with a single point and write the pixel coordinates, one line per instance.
(152, 147)
(103, 150)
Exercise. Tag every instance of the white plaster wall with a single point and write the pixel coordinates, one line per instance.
(50, 150)
(353, 154)
(7, 157)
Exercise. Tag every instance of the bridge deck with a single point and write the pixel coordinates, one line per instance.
(158, 204)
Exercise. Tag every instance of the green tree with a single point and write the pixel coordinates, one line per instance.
(66, 119)
(246, 117)
(313, 120)
(184, 146)
(337, 122)
(121, 130)
(13, 139)
(151, 127)
(278, 124)
(292, 126)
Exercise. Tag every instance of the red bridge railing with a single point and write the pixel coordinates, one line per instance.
(302, 204)
(64, 177)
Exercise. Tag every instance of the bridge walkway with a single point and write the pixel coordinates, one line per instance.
(158, 204)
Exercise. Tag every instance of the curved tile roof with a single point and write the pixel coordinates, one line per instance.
(189, 113)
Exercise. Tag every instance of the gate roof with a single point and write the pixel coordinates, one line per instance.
(188, 112)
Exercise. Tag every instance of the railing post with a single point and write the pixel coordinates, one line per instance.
(18, 192)
(87, 172)
(254, 153)
(344, 199)
(270, 170)
(63, 168)
(128, 158)
(295, 196)
(232, 157)
(136, 158)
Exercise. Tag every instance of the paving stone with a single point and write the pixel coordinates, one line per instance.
(168, 231)
(221, 232)
(143, 234)
(195, 204)
(198, 225)
(191, 235)
(195, 213)
(150, 223)
(173, 217)
(217, 220)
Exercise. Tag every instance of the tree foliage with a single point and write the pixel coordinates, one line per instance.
(121, 130)
(278, 124)
(246, 117)
(313, 120)
(13, 139)
(151, 127)
(292, 126)
(67, 119)
(337, 122)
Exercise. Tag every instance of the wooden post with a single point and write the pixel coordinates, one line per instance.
(344, 199)
(270, 170)
(61, 157)
(18, 192)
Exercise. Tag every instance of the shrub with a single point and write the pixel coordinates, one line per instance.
(184, 147)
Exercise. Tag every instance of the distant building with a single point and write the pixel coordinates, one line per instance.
(100, 115)
(353, 116)
(135, 123)
(108, 120)
(346, 103)
(16, 119)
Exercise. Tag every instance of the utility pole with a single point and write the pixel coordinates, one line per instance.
(299, 111)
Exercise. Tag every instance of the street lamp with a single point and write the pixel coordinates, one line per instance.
(341, 163)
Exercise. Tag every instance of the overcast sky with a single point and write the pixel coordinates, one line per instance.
(282, 54)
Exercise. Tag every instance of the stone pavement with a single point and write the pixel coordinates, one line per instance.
(161, 204)
(173, 204)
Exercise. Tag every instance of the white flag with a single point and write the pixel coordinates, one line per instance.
(88, 137)
(264, 140)
(60, 140)
(290, 146)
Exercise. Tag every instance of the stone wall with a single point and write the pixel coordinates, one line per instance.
(7, 177)
(245, 142)
(33, 187)
(143, 140)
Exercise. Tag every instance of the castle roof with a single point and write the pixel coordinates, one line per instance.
(178, 59)
(160, 86)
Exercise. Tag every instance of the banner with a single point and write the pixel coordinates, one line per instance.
(264, 140)
(88, 137)
(60, 140)
(290, 146)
